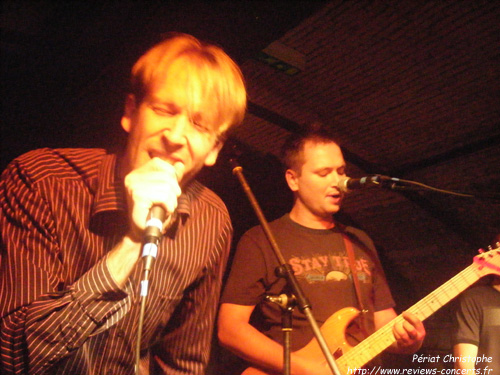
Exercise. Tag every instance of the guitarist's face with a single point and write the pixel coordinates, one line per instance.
(315, 185)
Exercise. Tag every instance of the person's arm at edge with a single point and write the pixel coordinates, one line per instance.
(466, 351)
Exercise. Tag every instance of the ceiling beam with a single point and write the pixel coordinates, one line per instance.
(292, 126)
(457, 152)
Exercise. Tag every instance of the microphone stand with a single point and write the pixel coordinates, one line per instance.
(285, 270)
(287, 303)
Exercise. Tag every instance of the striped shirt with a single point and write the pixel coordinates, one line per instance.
(61, 212)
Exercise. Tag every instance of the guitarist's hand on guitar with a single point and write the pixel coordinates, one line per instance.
(409, 333)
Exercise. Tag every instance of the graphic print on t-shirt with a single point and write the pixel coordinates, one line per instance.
(324, 268)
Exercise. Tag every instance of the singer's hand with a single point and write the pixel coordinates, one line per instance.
(154, 183)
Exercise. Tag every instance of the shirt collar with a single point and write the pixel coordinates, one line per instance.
(110, 194)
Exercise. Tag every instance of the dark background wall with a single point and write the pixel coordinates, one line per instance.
(410, 88)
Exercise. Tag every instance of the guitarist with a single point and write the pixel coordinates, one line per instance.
(314, 243)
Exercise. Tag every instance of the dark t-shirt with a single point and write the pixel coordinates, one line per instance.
(320, 263)
(477, 321)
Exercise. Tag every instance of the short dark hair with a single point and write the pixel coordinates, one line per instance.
(291, 152)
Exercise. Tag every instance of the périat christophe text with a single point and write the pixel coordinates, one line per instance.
(420, 358)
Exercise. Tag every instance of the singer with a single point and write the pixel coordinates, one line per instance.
(72, 224)
(314, 243)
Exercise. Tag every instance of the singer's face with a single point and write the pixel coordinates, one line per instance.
(315, 187)
(173, 122)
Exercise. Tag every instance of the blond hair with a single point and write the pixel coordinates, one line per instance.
(210, 73)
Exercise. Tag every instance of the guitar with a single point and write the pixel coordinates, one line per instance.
(356, 357)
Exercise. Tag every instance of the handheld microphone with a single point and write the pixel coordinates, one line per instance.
(346, 184)
(154, 225)
(152, 235)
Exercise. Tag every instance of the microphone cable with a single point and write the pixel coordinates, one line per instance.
(348, 184)
(420, 186)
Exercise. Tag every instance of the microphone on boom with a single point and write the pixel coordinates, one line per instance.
(347, 184)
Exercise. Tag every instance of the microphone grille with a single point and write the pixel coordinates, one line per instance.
(342, 184)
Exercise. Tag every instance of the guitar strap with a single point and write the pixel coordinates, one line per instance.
(354, 273)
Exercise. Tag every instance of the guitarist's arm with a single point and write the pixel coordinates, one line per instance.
(409, 333)
(238, 335)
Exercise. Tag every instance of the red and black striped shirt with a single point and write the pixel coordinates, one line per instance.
(61, 212)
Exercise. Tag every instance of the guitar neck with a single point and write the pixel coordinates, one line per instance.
(376, 343)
